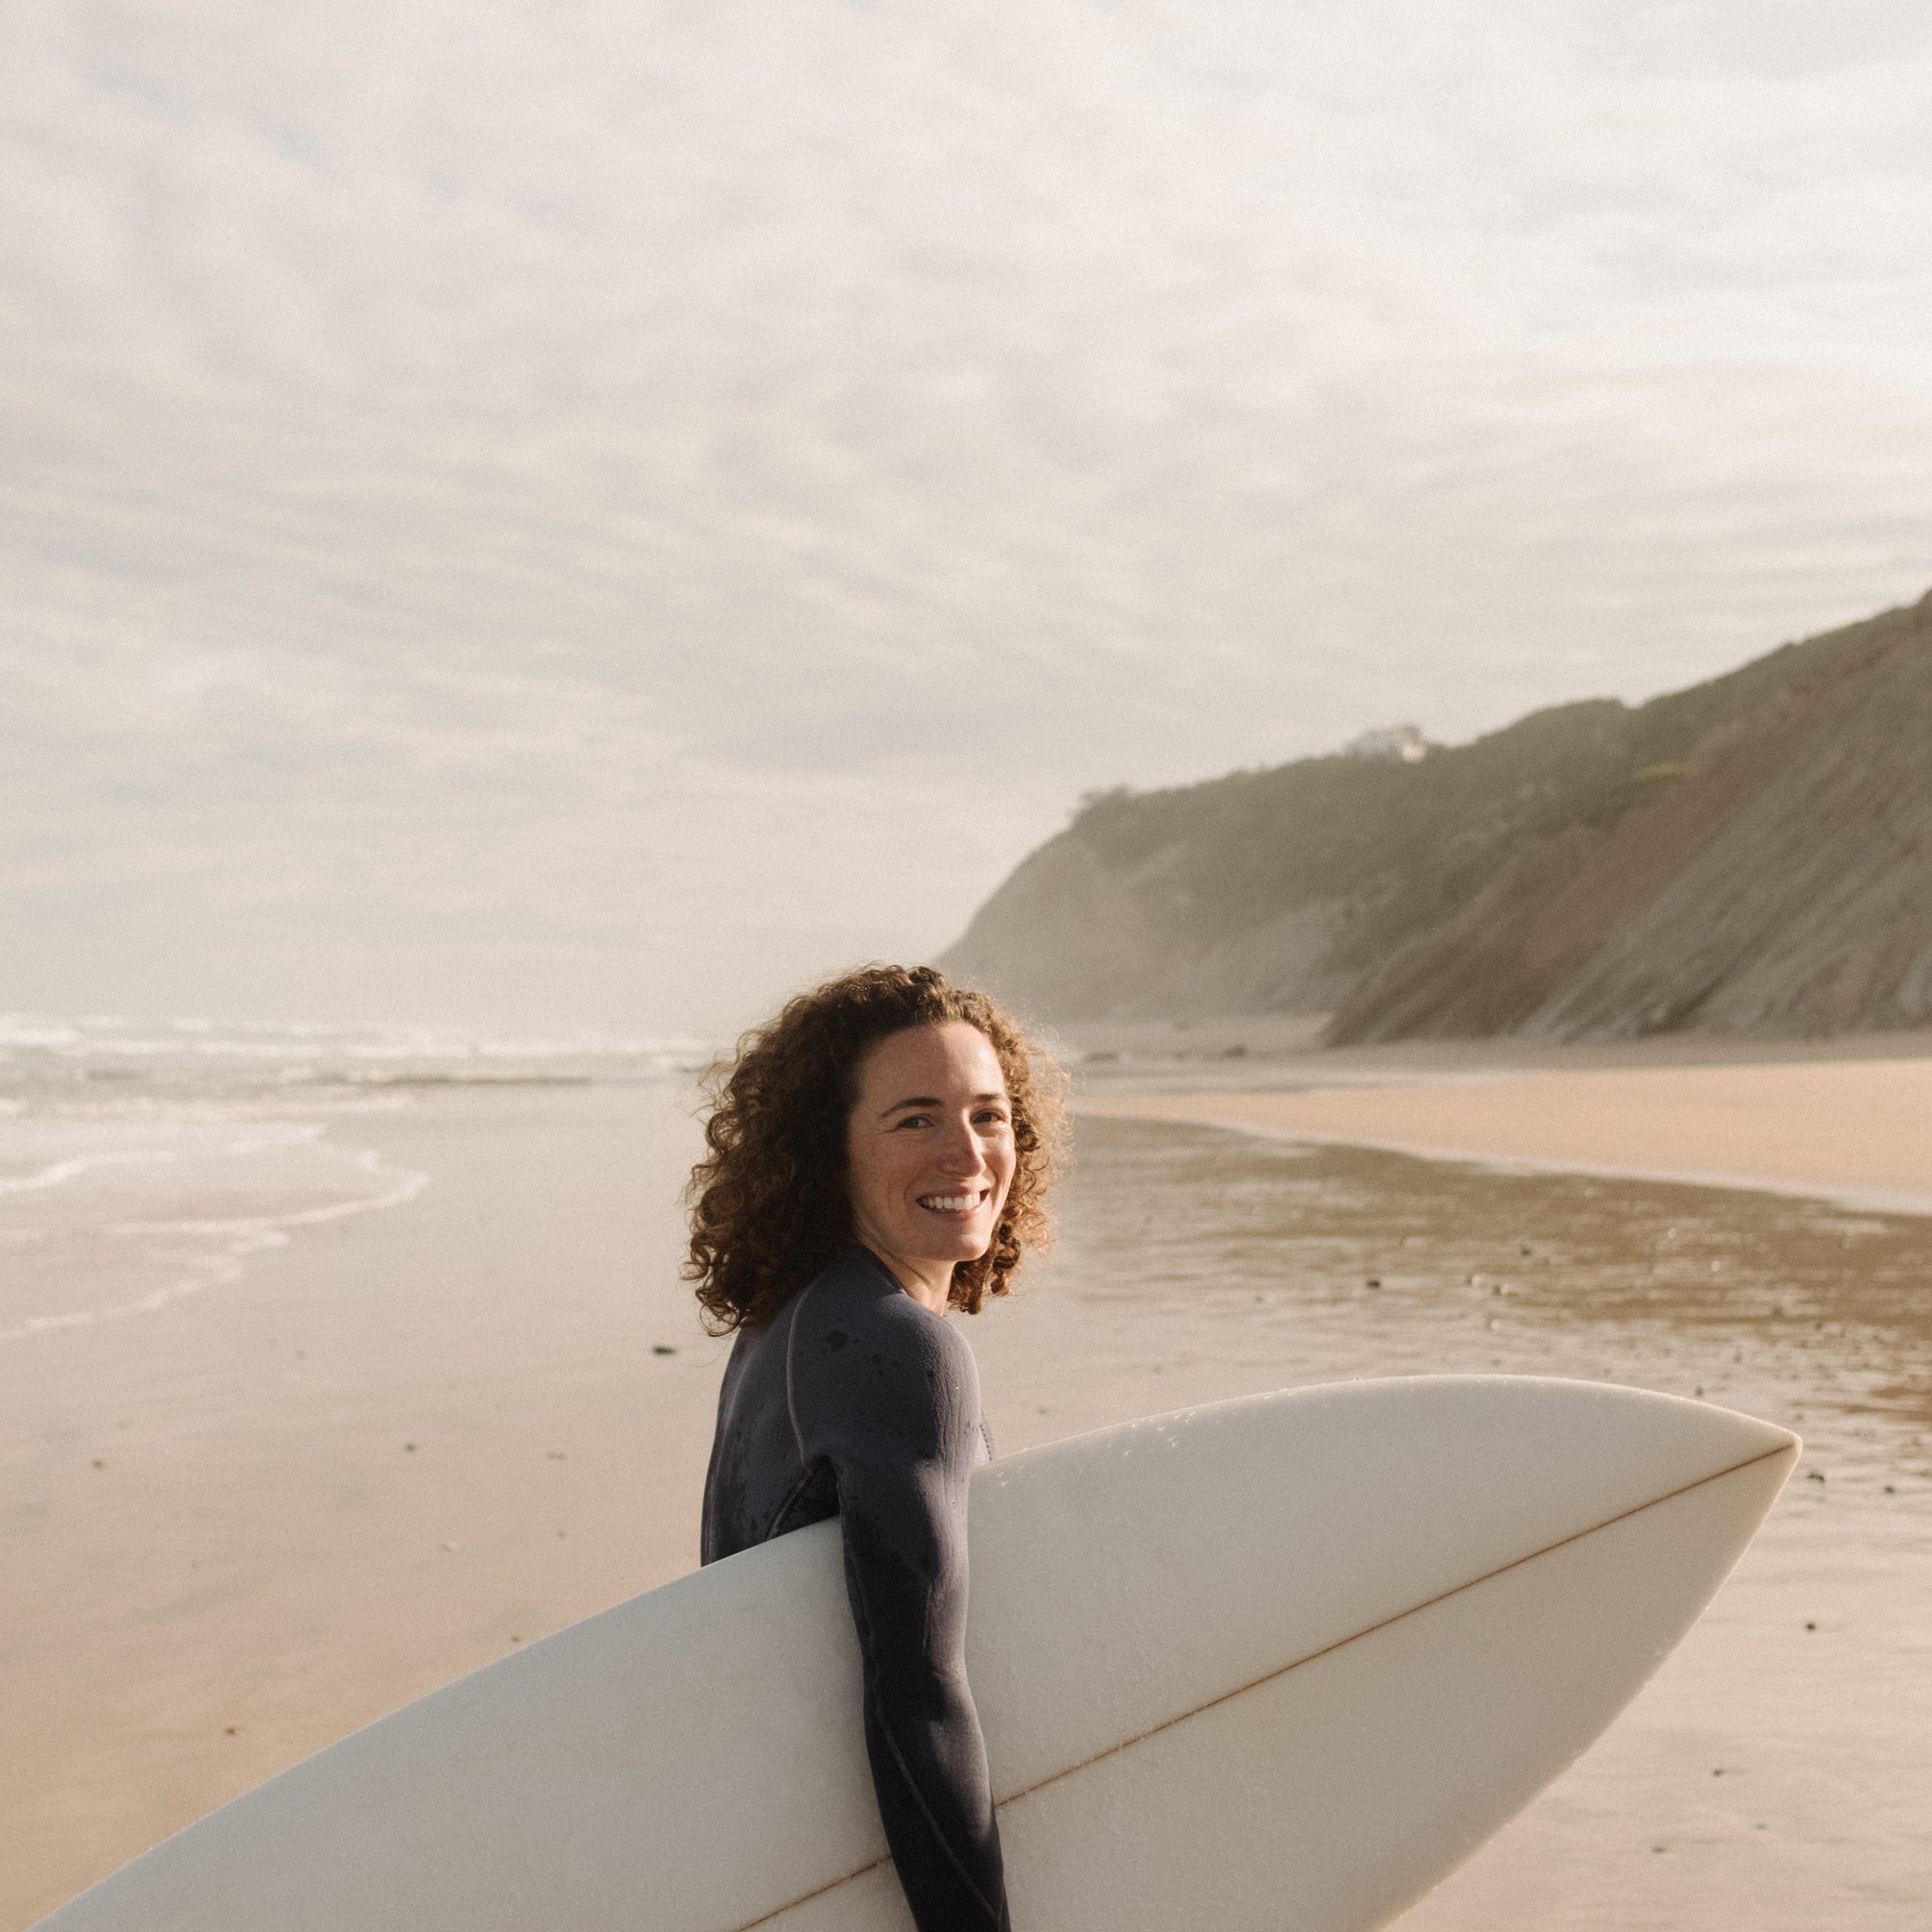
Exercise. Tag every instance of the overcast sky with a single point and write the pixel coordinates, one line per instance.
(522, 510)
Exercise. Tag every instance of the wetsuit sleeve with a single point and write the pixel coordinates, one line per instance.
(894, 1411)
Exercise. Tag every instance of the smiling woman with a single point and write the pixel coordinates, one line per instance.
(930, 1155)
(879, 1156)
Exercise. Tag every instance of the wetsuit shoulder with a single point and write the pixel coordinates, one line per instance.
(871, 1371)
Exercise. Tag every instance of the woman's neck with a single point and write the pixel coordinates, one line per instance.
(929, 1283)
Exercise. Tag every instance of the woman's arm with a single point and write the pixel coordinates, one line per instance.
(891, 1404)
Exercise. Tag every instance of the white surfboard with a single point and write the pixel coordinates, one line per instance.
(1281, 1662)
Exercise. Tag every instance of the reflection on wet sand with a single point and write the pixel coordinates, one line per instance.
(1775, 1775)
(1797, 1310)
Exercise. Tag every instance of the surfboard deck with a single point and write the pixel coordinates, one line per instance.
(1280, 1662)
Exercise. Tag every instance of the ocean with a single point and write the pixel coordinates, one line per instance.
(143, 1162)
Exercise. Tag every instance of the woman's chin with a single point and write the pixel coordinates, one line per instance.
(967, 1243)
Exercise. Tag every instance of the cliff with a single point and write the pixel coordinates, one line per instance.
(1752, 855)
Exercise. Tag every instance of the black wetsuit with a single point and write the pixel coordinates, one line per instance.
(857, 1401)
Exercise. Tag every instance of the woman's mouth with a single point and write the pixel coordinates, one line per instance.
(954, 1203)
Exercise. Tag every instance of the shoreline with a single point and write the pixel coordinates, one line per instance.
(1854, 1130)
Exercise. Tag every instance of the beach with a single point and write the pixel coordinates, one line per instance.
(1855, 1130)
(397, 1440)
(1693, 1216)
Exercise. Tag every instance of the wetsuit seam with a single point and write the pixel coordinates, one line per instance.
(784, 1509)
(932, 1825)
(791, 1344)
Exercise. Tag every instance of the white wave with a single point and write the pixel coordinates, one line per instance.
(230, 1242)
(17, 1029)
(61, 1171)
(248, 1040)
(410, 1182)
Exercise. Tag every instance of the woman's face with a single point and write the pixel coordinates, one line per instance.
(929, 1152)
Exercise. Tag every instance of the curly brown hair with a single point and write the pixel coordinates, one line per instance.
(769, 1206)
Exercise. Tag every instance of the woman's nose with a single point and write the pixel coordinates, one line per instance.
(960, 1154)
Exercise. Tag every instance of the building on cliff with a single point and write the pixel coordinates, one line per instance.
(1389, 741)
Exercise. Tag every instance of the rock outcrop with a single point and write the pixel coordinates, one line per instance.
(1753, 855)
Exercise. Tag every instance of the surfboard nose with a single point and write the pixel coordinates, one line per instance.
(1631, 1430)
(1752, 1432)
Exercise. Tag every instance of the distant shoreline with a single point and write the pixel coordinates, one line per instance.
(1848, 1121)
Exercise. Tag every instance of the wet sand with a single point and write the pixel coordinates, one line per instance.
(1776, 1773)
(227, 1553)
(265, 1514)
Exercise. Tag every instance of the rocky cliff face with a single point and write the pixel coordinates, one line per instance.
(1753, 855)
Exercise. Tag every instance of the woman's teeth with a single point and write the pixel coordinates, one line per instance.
(950, 1203)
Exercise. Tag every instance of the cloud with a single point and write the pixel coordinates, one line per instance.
(660, 499)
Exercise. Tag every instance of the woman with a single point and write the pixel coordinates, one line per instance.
(879, 1156)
